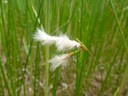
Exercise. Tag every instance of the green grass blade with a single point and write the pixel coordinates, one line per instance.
(7, 85)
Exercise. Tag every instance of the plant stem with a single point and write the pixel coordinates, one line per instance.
(86, 49)
(47, 26)
(46, 71)
(125, 76)
(119, 26)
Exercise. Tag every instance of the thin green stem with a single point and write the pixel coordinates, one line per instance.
(86, 49)
(47, 71)
(119, 26)
(5, 79)
(124, 80)
(47, 26)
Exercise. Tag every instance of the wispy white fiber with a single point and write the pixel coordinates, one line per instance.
(42, 36)
(65, 44)
(58, 60)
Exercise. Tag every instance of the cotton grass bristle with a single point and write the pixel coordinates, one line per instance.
(44, 38)
(58, 60)
(65, 44)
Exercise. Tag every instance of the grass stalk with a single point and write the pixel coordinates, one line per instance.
(47, 26)
(36, 68)
(86, 49)
(102, 25)
(5, 79)
(125, 76)
(55, 82)
(46, 71)
(119, 26)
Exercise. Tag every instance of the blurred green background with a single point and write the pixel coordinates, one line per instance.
(100, 24)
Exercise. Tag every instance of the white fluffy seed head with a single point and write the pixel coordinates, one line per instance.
(41, 35)
(58, 60)
(65, 44)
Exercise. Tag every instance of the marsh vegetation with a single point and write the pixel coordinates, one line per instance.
(101, 25)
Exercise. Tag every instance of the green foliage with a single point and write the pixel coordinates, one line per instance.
(101, 25)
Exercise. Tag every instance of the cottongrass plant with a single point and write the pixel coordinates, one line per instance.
(63, 43)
